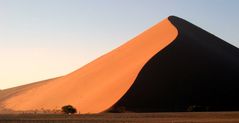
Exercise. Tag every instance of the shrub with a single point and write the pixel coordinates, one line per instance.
(118, 109)
(197, 108)
(69, 109)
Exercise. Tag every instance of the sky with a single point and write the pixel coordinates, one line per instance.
(42, 39)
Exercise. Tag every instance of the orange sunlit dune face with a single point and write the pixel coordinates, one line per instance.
(98, 85)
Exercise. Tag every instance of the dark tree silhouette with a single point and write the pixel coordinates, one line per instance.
(69, 109)
(118, 109)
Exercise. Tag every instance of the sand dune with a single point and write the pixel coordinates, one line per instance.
(98, 85)
(169, 67)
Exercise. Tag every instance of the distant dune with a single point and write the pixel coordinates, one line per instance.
(169, 67)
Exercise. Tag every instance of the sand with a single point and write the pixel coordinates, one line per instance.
(177, 117)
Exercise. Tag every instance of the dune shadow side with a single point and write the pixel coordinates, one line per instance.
(196, 69)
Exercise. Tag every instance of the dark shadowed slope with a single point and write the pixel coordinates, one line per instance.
(197, 69)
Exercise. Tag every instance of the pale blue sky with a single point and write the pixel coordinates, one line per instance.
(41, 39)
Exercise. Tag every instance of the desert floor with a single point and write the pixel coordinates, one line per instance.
(178, 117)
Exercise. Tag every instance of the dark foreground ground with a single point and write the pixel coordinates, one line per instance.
(195, 117)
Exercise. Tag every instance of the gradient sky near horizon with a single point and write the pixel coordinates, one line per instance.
(41, 39)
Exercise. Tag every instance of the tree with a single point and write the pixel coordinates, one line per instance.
(197, 108)
(118, 109)
(69, 109)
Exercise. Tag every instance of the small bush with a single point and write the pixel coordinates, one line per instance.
(197, 108)
(191, 108)
(69, 109)
(118, 109)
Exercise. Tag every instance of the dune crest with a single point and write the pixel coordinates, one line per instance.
(100, 84)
